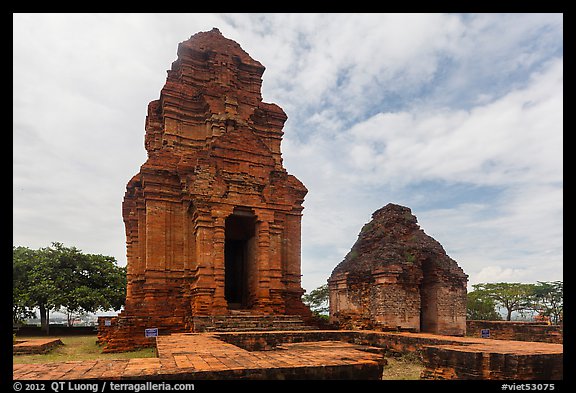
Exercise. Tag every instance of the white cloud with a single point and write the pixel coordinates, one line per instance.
(513, 143)
(493, 274)
(380, 107)
(515, 138)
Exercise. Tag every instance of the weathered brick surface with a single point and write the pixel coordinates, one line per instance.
(316, 354)
(203, 356)
(517, 330)
(243, 321)
(212, 219)
(398, 278)
(36, 346)
(494, 359)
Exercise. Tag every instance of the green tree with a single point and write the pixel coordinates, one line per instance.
(510, 296)
(317, 300)
(481, 307)
(59, 277)
(549, 299)
(21, 310)
(41, 291)
(90, 283)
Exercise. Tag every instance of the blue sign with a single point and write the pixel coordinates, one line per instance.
(153, 332)
(485, 333)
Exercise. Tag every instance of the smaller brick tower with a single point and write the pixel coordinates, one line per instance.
(396, 277)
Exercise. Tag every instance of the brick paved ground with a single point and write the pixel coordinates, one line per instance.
(314, 355)
(202, 356)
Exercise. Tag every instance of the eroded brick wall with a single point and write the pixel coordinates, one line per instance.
(517, 330)
(398, 278)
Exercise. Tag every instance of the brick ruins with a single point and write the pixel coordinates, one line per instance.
(398, 278)
(212, 218)
(213, 243)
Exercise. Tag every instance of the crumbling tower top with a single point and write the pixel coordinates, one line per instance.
(212, 87)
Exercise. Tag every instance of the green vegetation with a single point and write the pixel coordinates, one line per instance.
(351, 255)
(317, 300)
(481, 307)
(409, 257)
(543, 298)
(80, 348)
(63, 278)
(366, 227)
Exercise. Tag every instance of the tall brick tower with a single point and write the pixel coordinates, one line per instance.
(212, 218)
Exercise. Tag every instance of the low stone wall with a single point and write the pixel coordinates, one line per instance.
(444, 357)
(516, 330)
(57, 331)
(105, 328)
(125, 334)
(491, 363)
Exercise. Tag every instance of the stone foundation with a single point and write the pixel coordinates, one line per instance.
(317, 354)
(516, 330)
(35, 346)
(511, 361)
(128, 333)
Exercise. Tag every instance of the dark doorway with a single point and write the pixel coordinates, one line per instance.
(428, 299)
(238, 256)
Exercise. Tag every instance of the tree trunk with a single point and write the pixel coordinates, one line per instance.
(43, 319)
(70, 318)
(509, 315)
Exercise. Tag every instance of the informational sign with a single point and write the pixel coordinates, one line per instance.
(107, 322)
(485, 333)
(152, 332)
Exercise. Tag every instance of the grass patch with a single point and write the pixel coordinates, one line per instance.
(403, 367)
(79, 348)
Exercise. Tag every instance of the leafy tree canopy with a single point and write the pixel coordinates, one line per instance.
(546, 298)
(59, 277)
(317, 300)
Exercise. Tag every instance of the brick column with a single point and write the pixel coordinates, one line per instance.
(262, 260)
(202, 287)
(275, 269)
(220, 305)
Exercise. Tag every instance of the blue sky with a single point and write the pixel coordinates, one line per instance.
(456, 116)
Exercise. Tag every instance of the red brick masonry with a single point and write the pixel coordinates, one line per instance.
(213, 219)
(203, 356)
(515, 330)
(318, 354)
(35, 346)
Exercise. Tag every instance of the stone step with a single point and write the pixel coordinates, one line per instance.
(248, 322)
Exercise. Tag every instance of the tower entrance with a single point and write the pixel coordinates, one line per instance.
(239, 259)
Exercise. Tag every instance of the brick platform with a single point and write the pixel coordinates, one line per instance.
(316, 354)
(204, 357)
(494, 359)
(36, 346)
(517, 330)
